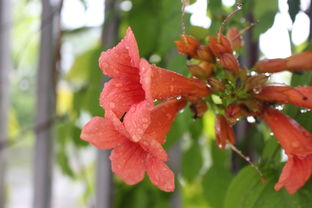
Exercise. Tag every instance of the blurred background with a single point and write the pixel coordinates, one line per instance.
(50, 84)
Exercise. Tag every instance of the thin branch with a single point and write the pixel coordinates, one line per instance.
(35, 128)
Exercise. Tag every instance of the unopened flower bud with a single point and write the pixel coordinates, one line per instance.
(256, 81)
(233, 112)
(224, 132)
(253, 106)
(271, 65)
(225, 42)
(229, 62)
(204, 53)
(215, 84)
(198, 107)
(201, 71)
(216, 47)
(300, 62)
(187, 45)
(234, 37)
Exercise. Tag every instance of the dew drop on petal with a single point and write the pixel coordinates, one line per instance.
(179, 97)
(279, 107)
(304, 110)
(271, 134)
(256, 90)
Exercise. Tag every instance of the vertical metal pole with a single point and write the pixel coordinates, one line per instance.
(104, 182)
(175, 154)
(5, 66)
(46, 83)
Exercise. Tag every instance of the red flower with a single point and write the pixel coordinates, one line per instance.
(131, 159)
(234, 36)
(300, 96)
(224, 132)
(297, 143)
(187, 45)
(135, 80)
(221, 48)
(296, 63)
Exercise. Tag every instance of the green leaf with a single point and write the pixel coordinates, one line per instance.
(63, 162)
(264, 11)
(293, 8)
(192, 161)
(170, 20)
(178, 128)
(246, 191)
(177, 63)
(145, 17)
(75, 137)
(199, 33)
(271, 152)
(304, 119)
(215, 184)
(86, 74)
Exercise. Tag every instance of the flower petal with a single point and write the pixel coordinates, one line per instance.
(160, 174)
(153, 147)
(296, 63)
(101, 133)
(138, 119)
(128, 162)
(292, 136)
(295, 173)
(271, 65)
(162, 117)
(117, 125)
(123, 60)
(300, 61)
(160, 84)
(224, 132)
(300, 96)
(118, 95)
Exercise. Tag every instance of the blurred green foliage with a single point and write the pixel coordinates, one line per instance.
(205, 178)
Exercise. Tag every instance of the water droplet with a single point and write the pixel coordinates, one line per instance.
(182, 110)
(256, 90)
(304, 110)
(251, 119)
(179, 97)
(248, 158)
(253, 73)
(279, 107)
(220, 146)
(271, 134)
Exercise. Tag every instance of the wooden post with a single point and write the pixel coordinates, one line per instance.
(46, 84)
(5, 66)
